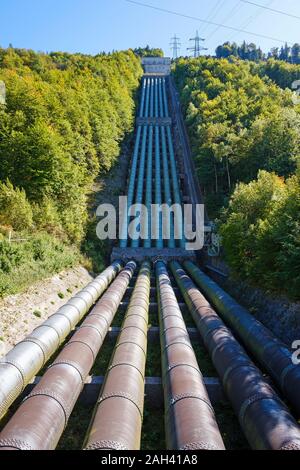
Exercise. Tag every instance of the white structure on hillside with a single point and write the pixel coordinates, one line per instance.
(157, 65)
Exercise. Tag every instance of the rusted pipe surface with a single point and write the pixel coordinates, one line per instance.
(264, 418)
(117, 420)
(189, 416)
(43, 415)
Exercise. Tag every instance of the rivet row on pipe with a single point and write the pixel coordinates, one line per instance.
(117, 420)
(273, 355)
(23, 362)
(264, 418)
(189, 417)
(42, 417)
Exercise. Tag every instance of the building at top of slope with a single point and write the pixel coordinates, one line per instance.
(156, 65)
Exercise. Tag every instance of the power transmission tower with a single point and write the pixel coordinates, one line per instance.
(175, 46)
(197, 48)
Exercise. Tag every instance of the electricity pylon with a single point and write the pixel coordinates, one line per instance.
(197, 48)
(175, 46)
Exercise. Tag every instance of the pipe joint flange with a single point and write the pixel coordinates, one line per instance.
(60, 339)
(136, 315)
(58, 314)
(255, 398)
(199, 446)
(46, 392)
(102, 317)
(131, 342)
(124, 396)
(88, 325)
(85, 344)
(136, 327)
(185, 343)
(235, 367)
(182, 364)
(39, 343)
(175, 328)
(184, 396)
(72, 364)
(19, 369)
(15, 443)
(113, 366)
(80, 298)
(106, 445)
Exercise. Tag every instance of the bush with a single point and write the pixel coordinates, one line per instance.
(15, 210)
(260, 233)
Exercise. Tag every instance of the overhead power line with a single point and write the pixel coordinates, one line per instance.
(190, 17)
(271, 9)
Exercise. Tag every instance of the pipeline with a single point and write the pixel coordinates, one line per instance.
(41, 419)
(264, 418)
(148, 199)
(158, 195)
(118, 416)
(273, 355)
(189, 417)
(140, 182)
(23, 362)
(167, 191)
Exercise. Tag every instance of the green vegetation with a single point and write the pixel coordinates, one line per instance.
(243, 126)
(252, 52)
(62, 125)
(260, 232)
(148, 52)
(37, 257)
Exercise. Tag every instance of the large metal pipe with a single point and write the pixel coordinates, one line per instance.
(140, 181)
(117, 420)
(23, 362)
(273, 355)
(189, 417)
(148, 199)
(167, 192)
(130, 193)
(160, 99)
(264, 418)
(40, 420)
(158, 195)
(143, 98)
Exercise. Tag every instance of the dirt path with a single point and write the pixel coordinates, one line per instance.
(21, 313)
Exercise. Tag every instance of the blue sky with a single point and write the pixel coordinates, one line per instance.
(90, 26)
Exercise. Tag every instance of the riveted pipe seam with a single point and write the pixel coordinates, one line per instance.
(63, 381)
(255, 336)
(264, 418)
(23, 362)
(186, 417)
(120, 404)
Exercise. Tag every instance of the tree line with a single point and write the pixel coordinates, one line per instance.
(63, 122)
(250, 51)
(245, 136)
(62, 126)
